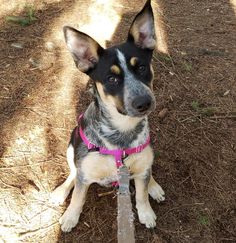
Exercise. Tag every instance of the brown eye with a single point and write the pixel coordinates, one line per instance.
(113, 80)
(141, 68)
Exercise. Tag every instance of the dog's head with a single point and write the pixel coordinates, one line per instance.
(122, 74)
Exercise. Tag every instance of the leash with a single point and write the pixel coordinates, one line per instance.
(125, 217)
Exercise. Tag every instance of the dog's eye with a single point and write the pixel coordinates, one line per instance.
(113, 79)
(142, 68)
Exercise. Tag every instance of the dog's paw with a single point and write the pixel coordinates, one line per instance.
(156, 192)
(69, 220)
(147, 217)
(58, 196)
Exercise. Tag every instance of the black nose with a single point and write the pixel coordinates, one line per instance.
(142, 103)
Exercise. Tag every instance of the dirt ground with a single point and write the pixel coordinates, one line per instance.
(41, 93)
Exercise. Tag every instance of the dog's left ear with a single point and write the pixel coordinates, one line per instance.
(142, 30)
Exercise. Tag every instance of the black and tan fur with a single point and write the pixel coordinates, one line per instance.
(117, 118)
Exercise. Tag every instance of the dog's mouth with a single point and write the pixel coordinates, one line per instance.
(140, 114)
(134, 113)
(122, 111)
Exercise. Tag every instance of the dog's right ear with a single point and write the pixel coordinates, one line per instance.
(142, 30)
(84, 49)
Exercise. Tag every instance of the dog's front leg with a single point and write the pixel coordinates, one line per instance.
(145, 212)
(71, 216)
(155, 190)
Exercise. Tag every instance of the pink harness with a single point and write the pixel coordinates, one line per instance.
(119, 154)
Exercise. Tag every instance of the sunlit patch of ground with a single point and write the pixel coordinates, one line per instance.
(162, 44)
(13, 7)
(233, 3)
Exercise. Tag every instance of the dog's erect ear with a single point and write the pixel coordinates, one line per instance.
(142, 30)
(84, 49)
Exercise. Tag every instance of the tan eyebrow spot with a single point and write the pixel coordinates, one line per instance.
(133, 61)
(115, 69)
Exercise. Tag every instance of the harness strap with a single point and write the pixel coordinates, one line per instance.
(85, 139)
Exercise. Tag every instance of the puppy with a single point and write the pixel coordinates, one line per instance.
(115, 120)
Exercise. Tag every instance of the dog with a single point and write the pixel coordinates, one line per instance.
(117, 118)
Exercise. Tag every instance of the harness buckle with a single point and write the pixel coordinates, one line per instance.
(123, 154)
(90, 145)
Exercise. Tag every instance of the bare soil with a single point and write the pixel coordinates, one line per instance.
(194, 138)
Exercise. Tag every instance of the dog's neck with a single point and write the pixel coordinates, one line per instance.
(122, 123)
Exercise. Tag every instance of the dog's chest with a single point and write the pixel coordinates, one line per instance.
(101, 169)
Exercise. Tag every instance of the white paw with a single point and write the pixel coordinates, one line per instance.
(156, 192)
(58, 196)
(69, 220)
(147, 217)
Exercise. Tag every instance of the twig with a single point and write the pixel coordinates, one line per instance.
(223, 117)
(105, 193)
(184, 180)
(208, 138)
(87, 224)
(11, 186)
